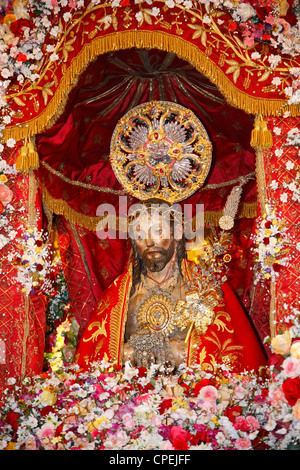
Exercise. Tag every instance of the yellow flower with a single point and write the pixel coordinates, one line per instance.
(48, 398)
(215, 420)
(95, 424)
(3, 178)
(267, 275)
(10, 446)
(295, 350)
(9, 18)
(282, 343)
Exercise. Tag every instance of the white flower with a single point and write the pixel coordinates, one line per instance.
(245, 11)
(284, 197)
(274, 185)
(10, 142)
(155, 11)
(292, 186)
(274, 60)
(288, 91)
(276, 81)
(55, 31)
(255, 55)
(170, 4)
(289, 165)
(277, 130)
(53, 57)
(6, 73)
(11, 381)
(6, 119)
(45, 22)
(139, 16)
(278, 152)
(67, 16)
(206, 19)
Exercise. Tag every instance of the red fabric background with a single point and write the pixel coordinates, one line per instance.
(78, 146)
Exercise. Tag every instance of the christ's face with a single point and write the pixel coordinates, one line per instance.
(154, 241)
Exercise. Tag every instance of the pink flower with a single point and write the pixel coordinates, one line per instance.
(143, 398)
(72, 3)
(253, 422)
(249, 41)
(166, 445)
(243, 443)
(46, 431)
(291, 367)
(128, 422)
(208, 393)
(277, 397)
(6, 194)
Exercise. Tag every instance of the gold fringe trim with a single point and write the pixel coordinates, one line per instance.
(28, 158)
(261, 137)
(60, 207)
(146, 40)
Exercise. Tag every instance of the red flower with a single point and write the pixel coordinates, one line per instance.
(276, 360)
(203, 383)
(12, 419)
(266, 37)
(21, 57)
(268, 224)
(58, 430)
(291, 390)
(142, 371)
(276, 267)
(165, 405)
(263, 12)
(179, 438)
(180, 444)
(233, 412)
(1, 207)
(46, 410)
(125, 3)
(232, 26)
(17, 27)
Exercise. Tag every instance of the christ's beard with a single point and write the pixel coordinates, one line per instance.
(156, 265)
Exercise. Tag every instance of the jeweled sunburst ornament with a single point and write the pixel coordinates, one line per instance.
(160, 149)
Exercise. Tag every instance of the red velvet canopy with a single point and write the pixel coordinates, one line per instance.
(77, 177)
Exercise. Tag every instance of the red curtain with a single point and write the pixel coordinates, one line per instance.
(75, 165)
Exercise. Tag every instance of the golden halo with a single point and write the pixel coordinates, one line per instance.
(160, 149)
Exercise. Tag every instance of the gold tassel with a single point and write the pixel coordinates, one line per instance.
(261, 137)
(28, 158)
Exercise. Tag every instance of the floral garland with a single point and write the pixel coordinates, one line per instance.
(135, 408)
(270, 245)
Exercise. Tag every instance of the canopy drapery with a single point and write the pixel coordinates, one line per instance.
(76, 175)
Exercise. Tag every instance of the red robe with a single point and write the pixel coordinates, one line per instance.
(230, 338)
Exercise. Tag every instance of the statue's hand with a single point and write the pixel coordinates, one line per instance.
(151, 348)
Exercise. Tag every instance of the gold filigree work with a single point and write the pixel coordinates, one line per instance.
(160, 149)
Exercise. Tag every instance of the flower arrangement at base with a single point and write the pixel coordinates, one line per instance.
(143, 409)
